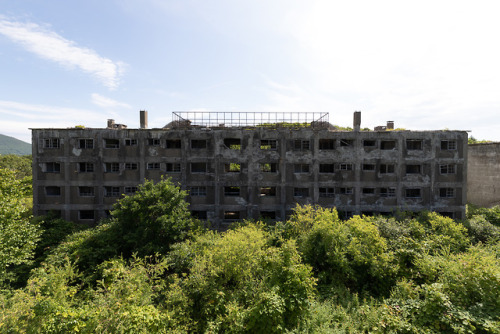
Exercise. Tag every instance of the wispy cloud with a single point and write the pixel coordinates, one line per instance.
(49, 45)
(106, 102)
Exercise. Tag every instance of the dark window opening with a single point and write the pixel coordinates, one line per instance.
(231, 215)
(368, 191)
(413, 144)
(447, 169)
(111, 143)
(86, 143)
(448, 145)
(344, 166)
(447, 214)
(53, 191)
(346, 142)
(267, 214)
(326, 168)
(131, 166)
(269, 144)
(173, 143)
(51, 143)
(327, 144)
(153, 165)
(232, 168)
(198, 143)
(86, 167)
(413, 169)
(413, 193)
(231, 191)
(112, 167)
(301, 168)
(198, 167)
(387, 144)
(368, 167)
(130, 190)
(369, 143)
(173, 167)
(301, 145)
(130, 142)
(233, 143)
(301, 192)
(326, 192)
(198, 191)
(386, 169)
(447, 192)
(111, 191)
(52, 167)
(202, 215)
(268, 191)
(86, 191)
(269, 167)
(346, 191)
(153, 142)
(86, 215)
(387, 192)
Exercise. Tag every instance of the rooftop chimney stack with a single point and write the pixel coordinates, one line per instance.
(390, 125)
(144, 119)
(111, 123)
(357, 121)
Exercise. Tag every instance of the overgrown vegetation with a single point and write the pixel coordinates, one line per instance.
(473, 140)
(152, 268)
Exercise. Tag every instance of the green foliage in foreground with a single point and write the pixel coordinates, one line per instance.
(152, 269)
(19, 164)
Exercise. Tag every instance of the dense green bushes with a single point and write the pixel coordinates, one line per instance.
(151, 268)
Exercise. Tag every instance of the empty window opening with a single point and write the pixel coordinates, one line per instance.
(301, 192)
(231, 191)
(51, 143)
(448, 145)
(344, 166)
(267, 214)
(198, 167)
(173, 167)
(268, 191)
(130, 142)
(301, 145)
(231, 215)
(269, 167)
(86, 215)
(130, 190)
(233, 143)
(153, 165)
(153, 142)
(112, 167)
(368, 167)
(85, 167)
(53, 191)
(447, 169)
(199, 214)
(387, 144)
(414, 144)
(198, 191)
(327, 192)
(198, 143)
(326, 168)
(301, 168)
(346, 191)
(346, 142)
(232, 168)
(86, 191)
(111, 143)
(111, 191)
(368, 191)
(173, 143)
(387, 192)
(387, 169)
(52, 167)
(269, 144)
(327, 144)
(86, 143)
(131, 166)
(413, 169)
(413, 193)
(446, 192)
(447, 214)
(369, 143)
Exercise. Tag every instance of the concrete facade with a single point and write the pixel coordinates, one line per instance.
(483, 180)
(234, 173)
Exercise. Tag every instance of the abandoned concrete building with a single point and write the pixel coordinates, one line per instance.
(483, 179)
(251, 165)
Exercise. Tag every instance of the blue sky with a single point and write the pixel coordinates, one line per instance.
(424, 64)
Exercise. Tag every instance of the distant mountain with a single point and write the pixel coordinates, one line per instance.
(10, 145)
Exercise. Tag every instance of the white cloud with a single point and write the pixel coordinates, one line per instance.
(49, 45)
(106, 102)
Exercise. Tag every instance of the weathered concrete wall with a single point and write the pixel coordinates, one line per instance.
(483, 179)
(236, 173)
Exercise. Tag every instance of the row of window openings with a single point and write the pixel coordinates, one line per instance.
(109, 191)
(114, 167)
(265, 144)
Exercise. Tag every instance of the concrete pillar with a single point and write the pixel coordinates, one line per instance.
(357, 121)
(390, 125)
(144, 119)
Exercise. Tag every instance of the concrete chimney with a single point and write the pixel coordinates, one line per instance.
(144, 119)
(357, 121)
(111, 123)
(390, 125)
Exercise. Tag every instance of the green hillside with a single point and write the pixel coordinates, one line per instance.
(10, 145)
